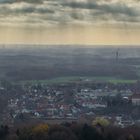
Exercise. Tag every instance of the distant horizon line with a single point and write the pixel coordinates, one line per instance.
(59, 45)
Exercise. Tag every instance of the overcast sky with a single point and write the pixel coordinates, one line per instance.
(70, 21)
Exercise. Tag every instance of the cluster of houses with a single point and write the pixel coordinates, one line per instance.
(66, 103)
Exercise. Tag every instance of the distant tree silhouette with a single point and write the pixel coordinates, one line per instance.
(70, 131)
(4, 131)
(61, 133)
(90, 133)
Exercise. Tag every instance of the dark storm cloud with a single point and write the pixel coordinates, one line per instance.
(13, 1)
(33, 10)
(10, 7)
(70, 11)
(115, 8)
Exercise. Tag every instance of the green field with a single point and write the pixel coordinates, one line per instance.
(71, 79)
(119, 81)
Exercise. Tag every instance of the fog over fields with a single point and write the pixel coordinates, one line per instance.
(42, 62)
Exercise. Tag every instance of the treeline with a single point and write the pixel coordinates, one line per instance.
(69, 131)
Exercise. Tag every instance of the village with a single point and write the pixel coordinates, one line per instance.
(75, 102)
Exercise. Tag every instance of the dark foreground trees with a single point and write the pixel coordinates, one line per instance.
(70, 131)
(4, 131)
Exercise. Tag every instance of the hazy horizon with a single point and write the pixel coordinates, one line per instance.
(45, 45)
